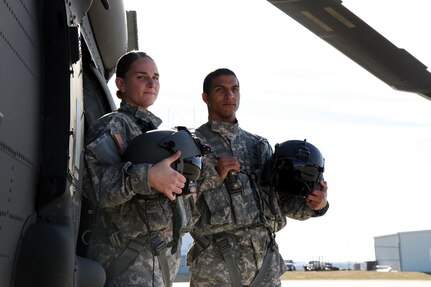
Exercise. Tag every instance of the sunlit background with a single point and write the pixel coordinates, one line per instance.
(376, 141)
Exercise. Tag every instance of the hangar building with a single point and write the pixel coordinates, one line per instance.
(405, 251)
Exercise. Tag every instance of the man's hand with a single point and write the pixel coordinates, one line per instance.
(316, 200)
(163, 178)
(225, 164)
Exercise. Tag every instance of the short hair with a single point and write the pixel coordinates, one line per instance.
(126, 61)
(214, 74)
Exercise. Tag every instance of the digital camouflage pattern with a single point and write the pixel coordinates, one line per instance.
(113, 187)
(251, 217)
(251, 244)
(144, 271)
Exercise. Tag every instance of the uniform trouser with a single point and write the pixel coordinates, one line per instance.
(209, 269)
(144, 270)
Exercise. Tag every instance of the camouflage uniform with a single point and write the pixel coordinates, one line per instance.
(127, 209)
(237, 227)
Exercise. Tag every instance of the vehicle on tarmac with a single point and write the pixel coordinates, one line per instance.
(319, 266)
(290, 265)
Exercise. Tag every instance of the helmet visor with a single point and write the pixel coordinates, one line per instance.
(192, 167)
(309, 173)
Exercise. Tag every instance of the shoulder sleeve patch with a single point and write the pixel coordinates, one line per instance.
(104, 150)
(119, 143)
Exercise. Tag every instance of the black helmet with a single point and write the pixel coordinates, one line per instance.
(156, 145)
(295, 168)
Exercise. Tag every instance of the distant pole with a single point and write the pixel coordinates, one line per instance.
(348, 257)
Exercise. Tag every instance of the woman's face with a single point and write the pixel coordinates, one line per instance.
(140, 85)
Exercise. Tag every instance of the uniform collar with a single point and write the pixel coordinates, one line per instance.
(140, 113)
(224, 127)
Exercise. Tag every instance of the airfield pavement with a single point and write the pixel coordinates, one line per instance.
(344, 283)
(348, 279)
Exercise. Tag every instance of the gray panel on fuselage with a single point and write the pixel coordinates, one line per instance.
(20, 123)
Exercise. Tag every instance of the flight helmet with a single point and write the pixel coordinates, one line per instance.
(156, 145)
(295, 168)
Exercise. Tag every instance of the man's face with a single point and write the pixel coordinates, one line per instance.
(140, 86)
(223, 98)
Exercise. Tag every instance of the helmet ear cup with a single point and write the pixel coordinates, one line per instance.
(294, 170)
(290, 181)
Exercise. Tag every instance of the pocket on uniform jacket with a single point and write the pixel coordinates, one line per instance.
(218, 204)
(244, 204)
(158, 214)
(104, 149)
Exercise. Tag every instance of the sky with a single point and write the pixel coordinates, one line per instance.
(376, 141)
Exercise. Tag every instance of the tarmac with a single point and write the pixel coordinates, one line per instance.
(356, 283)
(344, 283)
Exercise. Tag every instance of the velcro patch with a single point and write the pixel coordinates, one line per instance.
(120, 144)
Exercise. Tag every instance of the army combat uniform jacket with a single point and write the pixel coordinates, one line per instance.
(131, 218)
(234, 237)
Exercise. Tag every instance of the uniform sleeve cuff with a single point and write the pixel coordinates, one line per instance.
(139, 179)
(322, 211)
